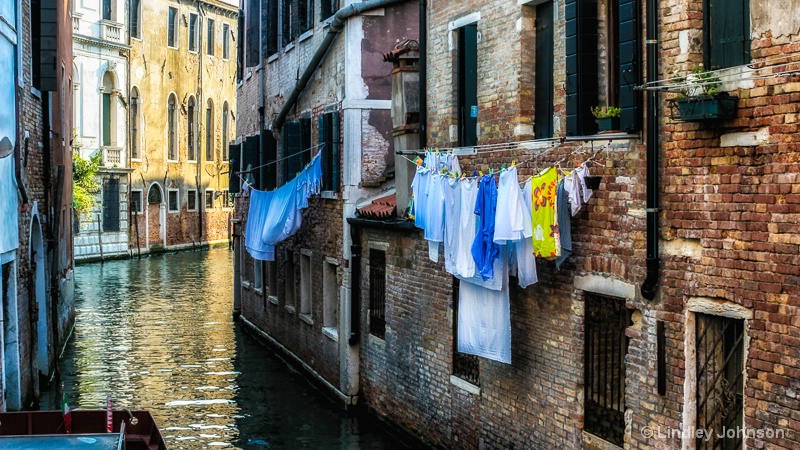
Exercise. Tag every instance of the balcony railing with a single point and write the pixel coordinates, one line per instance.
(76, 22)
(112, 156)
(110, 31)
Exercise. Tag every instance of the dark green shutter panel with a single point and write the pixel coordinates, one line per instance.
(630, 101)
(292, 145)
(106, 119)
(239, 45)
(305, 130)
(335, 158)
(468, 85)
(250, 161)
(729, 39)
(253, 33)
(270, 152)
(581, 60)
(543, 119)
(235, 167)
(323, 138)
(272, 27)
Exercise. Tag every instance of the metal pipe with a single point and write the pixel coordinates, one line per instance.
(336, 26)
(650, 283)
(423, 73)
(355, 283)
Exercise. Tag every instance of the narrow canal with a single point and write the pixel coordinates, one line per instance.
(157, 334)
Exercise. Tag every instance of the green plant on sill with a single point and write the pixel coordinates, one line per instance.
(699, 83)
(603, 112)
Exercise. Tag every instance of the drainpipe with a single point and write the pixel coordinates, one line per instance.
(650, 284)
(18, 160)
(337, 24)
(355, 282)
(199, 106)
(423, 73)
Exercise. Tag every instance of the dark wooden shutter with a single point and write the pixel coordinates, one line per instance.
(292, 145)
(272, 27)
(581, 34)
(468, 85)
(250, 161)
(305, 133)
(335, 158)
(239, 45)
(235, 166)
(544, 71)
(270, 152)
(630, 101)
(253, 30)
(727, 29)
(286, 27)
(111, 204)
(329, 135)
(323, 137)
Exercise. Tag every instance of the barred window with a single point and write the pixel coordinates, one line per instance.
(377, 293)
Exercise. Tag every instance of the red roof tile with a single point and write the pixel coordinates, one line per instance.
(380, 209)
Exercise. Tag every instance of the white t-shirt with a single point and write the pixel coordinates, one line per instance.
(508, 222)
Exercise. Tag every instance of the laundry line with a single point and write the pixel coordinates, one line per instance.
(284, 158)
(528, 145)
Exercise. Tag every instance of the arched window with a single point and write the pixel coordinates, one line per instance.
(136, 12)
(209, 131)
(191, 151)
(154, 194)
(225, 132)
(135, 124)
(109, 111)
(172, 128)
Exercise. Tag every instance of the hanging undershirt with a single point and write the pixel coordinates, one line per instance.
(419, 187)
(467, 228)
(583, 172)
(484, 249)
(484, 321)
(564, 223)
(573, 187)
(545, 228)
(523, 248)
(452, 215)
(434, 212)
(508, 221)
(256, 220)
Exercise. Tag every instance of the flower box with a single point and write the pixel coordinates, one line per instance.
(706, 107)
(608, 123)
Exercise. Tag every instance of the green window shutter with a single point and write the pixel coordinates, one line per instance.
(335, 157)
(106, 119)
(630, 72)
(727, 33)
(292, 145)
(323, 133)
(305, 131)
(544, 71)
(581, 62)
(468, 85)
(250, 161)
(234, 182)
(270, 152)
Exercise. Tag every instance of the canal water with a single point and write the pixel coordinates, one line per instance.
(157, 334)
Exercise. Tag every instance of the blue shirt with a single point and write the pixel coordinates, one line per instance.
(484, 249)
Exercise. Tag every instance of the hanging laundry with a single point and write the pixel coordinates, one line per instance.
(508, 220)
(452, 215)
(545, 227)
(484, 249)
(573, 187)
(467, 228)
(434, 229)
(523, 248)
(484, 322)
(419, 189)
(583, 172)
(256, 219)
(564, 223)
(9, 220)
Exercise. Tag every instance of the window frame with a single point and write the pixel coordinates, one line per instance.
(141, 201)
(193, 41)
(177, 200)
(709, 56)
(306, 285)
(377, 309)
(138, 10)
(175, 27)
(191, 129)
(227, 202)
(225, 151)
(191, 206)
(330, 298)
(210, 147)
(136, 123)
(226, 41)
(172, 128)
(210, 32)
(206, 199)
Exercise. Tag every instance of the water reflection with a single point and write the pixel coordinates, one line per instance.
(157, 334)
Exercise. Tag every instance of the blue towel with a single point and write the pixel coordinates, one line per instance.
(484, 249)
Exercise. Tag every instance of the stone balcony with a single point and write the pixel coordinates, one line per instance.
(76, 22)
(112, 156)
(111, 31)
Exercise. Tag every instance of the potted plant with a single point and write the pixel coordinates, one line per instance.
(699, 98)
(607, 118)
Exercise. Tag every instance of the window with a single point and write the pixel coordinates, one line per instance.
(136, 11)
(191, 200)
(377, 293)
(605, 348)
(109, 110)
(465, 366)
(305, 15)
(136, 201)
(468, 85)
(253, 33)
(227, 199)
(726, 30)
(111, 204)
(226, 41)
(191, 152)
(135, 124)
(154, 195)
(626, 64)
(172, 125)
(209, 131)
(272, 280)
(173, 202)
(258, 274)
(327, 8)
(210, 37)
(305, 284)
(172, 28)
(210, 199)
(719, 342)
(225, 132)
(296, 145)
(543, 119)
(273, 33)
(194, 32)
(582, 66)
(290, 287)
(288, 25)
(329, 138)
(330, 297)
(107, 9)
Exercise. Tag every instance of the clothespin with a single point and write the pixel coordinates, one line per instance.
(480, 172)
(503, 168)
(513, 163)
(475, 173)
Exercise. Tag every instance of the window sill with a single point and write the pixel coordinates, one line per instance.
(288, 47)
(259, 291)
(273, 57)
(36, 93)
(290, 309)
(173, 211)
(248, 75)
(331, 332)
(172, 48)
(191, 210)
(465, 385)
(327, 22)
(246, 284)
(273, 299)
(331, 195)
(305, 35)
(173, 161)
(136, 159)
(306, 318)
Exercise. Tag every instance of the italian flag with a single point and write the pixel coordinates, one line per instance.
(67, 414)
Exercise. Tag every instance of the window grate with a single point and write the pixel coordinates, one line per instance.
(720, 383)
(111, 204)
(377, 293)
(465, 366)
(605, 347)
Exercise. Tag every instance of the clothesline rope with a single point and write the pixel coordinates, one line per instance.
(321, 145)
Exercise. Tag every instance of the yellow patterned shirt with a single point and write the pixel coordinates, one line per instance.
(546, 239)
